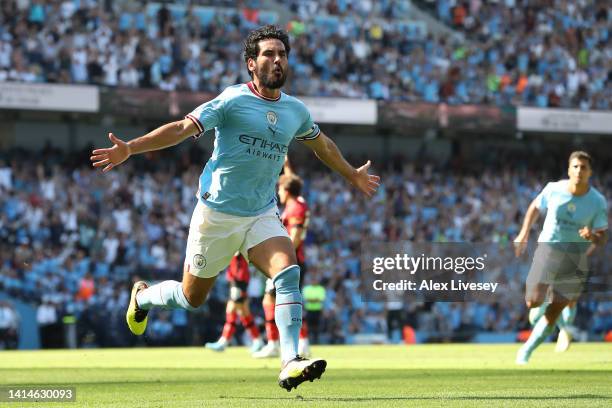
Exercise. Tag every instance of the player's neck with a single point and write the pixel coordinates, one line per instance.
(578, 189)
(267, 92)
(290, 200)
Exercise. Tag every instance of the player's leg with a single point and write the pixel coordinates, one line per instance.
(246, 318)
(211, 244)
(537, 300)
(565, 323)
(535, 295)
(242, 307)
(537, 289)
(229, 327)
(570, 283)
(536, 312)
(303, 342)
(275, 257)
(539, 279)
(542, 329)
(272, 348)
(188, 294)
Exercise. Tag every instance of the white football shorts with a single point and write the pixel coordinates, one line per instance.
(215, 237)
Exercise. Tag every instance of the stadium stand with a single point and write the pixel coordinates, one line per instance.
(57, 251)
(545, 53)
(75, 241)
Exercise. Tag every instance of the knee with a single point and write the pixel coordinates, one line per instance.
(242, 307)
(195, 300)
(555, 309)
(552, 315)
(287, 280)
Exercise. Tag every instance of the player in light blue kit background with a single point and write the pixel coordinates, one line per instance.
(576, 223)
(236, 209)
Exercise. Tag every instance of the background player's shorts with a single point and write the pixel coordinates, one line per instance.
(238, 291)
(565, 271)
(270, 289)
(214, 238)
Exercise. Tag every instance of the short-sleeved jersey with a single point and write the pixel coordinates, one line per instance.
(566, 213)
(252, 135)
(238, 270)
(296, 214)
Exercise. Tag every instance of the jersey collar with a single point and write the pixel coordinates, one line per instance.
(252, 88)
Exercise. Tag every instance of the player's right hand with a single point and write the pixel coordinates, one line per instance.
(112, 156)
(520, 244)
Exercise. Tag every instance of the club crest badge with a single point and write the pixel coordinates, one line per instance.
(272, 118)
(571, 207)
(199, 261)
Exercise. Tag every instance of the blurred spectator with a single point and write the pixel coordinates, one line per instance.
(86, 288)
(394, 310)
(9, 326)
(49, 324)
(314, 298)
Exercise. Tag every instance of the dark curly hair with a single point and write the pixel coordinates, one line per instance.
(251, 44)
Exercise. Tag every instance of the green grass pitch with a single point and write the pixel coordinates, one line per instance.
(357, 376)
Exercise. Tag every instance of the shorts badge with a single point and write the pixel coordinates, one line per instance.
(199, 261)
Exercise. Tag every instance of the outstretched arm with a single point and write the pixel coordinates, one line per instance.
(521, 240)
(164, 136)
(327, 151)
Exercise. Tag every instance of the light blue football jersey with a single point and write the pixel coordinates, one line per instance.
(567, 213)
(252, 135)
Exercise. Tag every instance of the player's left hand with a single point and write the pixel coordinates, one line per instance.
(586, 233)
(366, 183)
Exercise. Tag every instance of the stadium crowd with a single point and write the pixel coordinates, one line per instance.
(553, 53)
(73, 241)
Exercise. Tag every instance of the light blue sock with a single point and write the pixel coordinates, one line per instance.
(536, 312)
(167, 294)
(288, 310)
(567, 317)
(540, 332)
